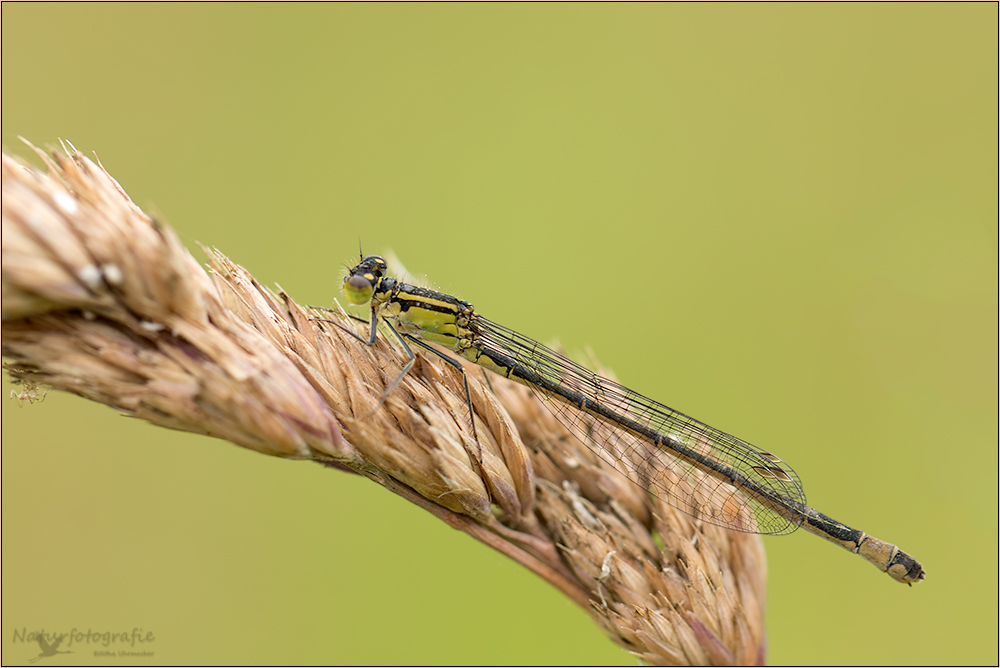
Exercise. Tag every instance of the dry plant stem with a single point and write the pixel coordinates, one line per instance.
(102, 301)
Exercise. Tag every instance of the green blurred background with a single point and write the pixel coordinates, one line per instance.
(779, 219)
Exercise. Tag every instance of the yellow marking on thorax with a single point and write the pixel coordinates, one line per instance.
(427, 324)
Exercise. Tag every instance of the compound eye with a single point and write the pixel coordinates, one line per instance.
(358, 288)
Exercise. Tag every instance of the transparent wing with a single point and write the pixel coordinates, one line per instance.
(705, 472)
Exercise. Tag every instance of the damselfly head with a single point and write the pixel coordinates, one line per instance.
(360, 282)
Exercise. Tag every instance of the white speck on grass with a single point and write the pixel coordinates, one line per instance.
(90, 276)
(68, 205)
(113, 274)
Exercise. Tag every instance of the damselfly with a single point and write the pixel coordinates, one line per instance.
(711, 475)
